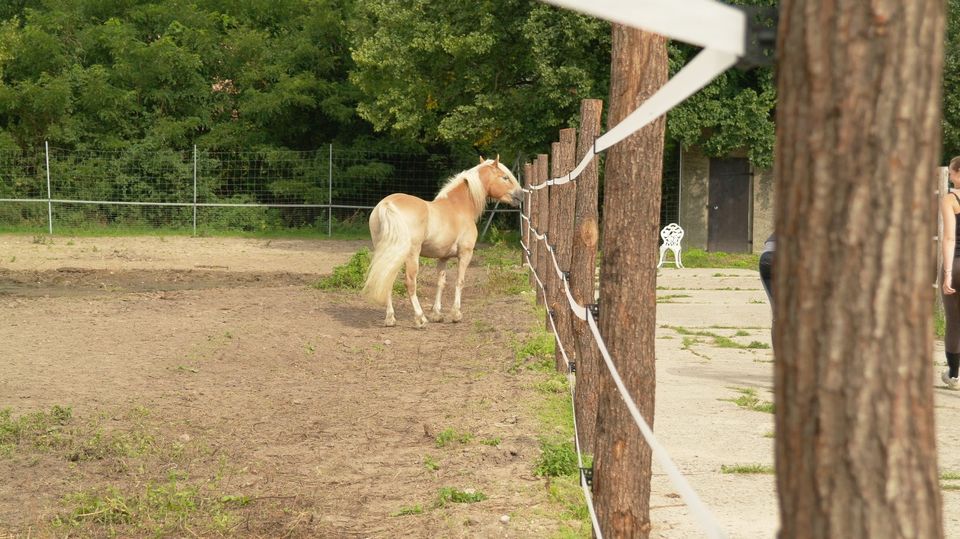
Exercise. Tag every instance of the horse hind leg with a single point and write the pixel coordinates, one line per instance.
(390, 320)
(436, 315)
(413, 266)
(462, 263)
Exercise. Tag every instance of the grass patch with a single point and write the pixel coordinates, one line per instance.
(350, 276)
(698, 258)
(556, 459)
(668, 298)
(447, 495)
(430, 463)
(505, 272)
(408, 510)
(346, 229)
(142, 499)
(492, 442)
(749, 400)
(171, 507)
(950, 476)
(537, 352)
(556, 383)
(40, 430)
(692, 337)
(449, 436)
(746, 469)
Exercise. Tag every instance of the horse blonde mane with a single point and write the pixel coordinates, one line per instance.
(478, 195)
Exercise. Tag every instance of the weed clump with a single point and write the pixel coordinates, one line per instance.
(351, 276)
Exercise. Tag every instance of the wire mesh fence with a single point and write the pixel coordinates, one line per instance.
(326, 190)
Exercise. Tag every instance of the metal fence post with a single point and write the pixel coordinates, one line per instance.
(194, 189)
(46, 146)
(330, 192)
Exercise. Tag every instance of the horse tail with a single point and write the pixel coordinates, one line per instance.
(391, 245)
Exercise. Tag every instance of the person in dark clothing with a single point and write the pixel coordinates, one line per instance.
(949, 208)
(766, 266)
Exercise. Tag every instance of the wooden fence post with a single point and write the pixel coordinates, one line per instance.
(535, 199)
(553, 227)
(628, 278)
(543, 219)
(525, 211)
(583, 263)
(566, 197)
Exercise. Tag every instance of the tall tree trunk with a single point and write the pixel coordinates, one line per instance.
(858, 123)
(628, 277)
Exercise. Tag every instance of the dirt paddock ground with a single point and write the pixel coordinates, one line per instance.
(291, 407)
(206, 376)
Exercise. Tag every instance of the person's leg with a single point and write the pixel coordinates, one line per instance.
(766, 274)
(951, 341)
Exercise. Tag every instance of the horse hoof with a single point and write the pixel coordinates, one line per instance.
(421, 322)
(390, 322)
(456, 317)
(436, 317)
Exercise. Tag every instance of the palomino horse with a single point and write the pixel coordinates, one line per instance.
(404, 228)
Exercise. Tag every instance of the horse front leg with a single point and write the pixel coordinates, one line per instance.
(462, 263)
(413, 266)
(435, 314)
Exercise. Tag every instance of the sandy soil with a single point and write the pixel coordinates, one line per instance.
(218, 354)
(255, 384)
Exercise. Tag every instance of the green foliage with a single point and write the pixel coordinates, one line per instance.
(537, 351)
(450, 435)
(163, 508)
(430, 463)
(39, 429)
(505, 274)
(749, 400)
(447, 495)
(350, 276)
(698, 258)
(486, 75)
(556, 459)
(951, 83)
(408, 510)
(746, 469)
(733, 113)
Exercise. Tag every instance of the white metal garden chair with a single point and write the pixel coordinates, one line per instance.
(671, 235)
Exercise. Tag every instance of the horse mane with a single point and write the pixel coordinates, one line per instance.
(474, 186)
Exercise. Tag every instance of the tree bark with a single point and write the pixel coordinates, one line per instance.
(582, 277)
(541, 206)
(525, 224)
(628, 285)
(565, 196)
(858, 136)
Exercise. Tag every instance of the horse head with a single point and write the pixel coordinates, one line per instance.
(499, 182)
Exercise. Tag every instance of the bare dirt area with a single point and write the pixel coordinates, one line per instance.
(186, 386)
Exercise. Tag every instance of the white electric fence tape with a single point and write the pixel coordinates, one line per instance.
(705, 23)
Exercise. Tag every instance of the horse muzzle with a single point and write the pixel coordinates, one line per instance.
(516, 198)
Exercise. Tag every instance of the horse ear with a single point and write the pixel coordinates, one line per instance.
(482, 159)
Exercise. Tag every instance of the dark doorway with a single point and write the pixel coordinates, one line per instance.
(728, 214)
